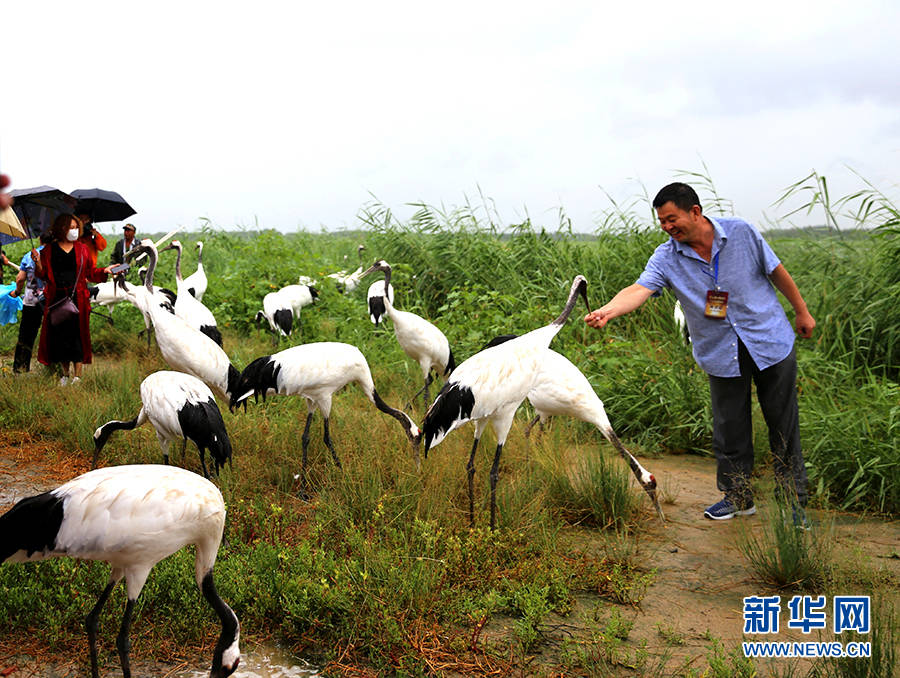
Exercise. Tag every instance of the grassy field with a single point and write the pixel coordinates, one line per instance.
(379, 571)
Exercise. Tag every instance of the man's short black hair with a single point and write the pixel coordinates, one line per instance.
(683, 196)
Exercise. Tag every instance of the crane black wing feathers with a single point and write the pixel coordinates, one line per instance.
(202, 422)
(284, 319)
(454, 403)
(31, 525)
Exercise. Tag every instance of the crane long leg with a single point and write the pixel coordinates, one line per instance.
(123, 643)
(91, 623)
(203, 461)
(330, 447)
(470, 471)
(428, 380)
(495, 473)
(531, 424)
(305, 441)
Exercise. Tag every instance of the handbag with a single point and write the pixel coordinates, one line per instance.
(65, 308)
(62, 310)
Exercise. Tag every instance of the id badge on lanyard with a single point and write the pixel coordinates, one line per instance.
(716, 300)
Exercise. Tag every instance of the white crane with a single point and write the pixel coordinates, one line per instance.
(281, 307)
(107, 293)
(196, 282)
(560, 389)
(142, 297)
(178, 406)
(188, 308)
(375, 298)
(184, 348)
(681, 322)
(489, 386)
(130, 517)
(419, 339)
(316, 371)
(347, 282)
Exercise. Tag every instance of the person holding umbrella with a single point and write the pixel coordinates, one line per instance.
(65, 265)
(91, 238)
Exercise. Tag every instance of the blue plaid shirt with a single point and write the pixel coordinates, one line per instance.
(754, 313)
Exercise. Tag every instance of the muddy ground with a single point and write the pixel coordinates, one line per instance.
(697, 591)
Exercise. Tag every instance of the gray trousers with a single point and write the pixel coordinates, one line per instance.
(776, 390)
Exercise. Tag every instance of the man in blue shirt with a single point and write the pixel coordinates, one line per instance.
(722, 272)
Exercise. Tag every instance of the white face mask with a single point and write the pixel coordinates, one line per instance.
(72, 235)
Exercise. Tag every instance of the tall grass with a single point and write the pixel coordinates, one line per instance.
(383, 553)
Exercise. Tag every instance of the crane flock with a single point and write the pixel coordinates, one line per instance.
(125, 515)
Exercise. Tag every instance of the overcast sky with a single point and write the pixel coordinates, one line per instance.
(294, 115)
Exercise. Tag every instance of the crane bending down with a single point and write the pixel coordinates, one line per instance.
(177, 405)
(419, 339)
(561, 389)
(183, 348)
(130, 517)
(316, 371)
(281, 307)
(489, 387)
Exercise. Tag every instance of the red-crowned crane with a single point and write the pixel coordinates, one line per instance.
(419, 339)
(316, 371)
(375, 299)
(196, 282)
(182, 347)
(561, 390)
(281, 307)
(178, 406)
(130, 517)
(347, 282)
(188, 308)
(489, 387)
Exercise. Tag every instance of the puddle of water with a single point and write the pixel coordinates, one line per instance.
(266, 661)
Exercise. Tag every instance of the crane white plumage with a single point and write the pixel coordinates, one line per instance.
(197, 282)
(184, 348)
(347, 282)
(107, 293)
(187, 307)
(375, 299)
(316, 371)
(488, 388)
(178, 406)
(420, 340)
(560, 389)
(282, 307)
(130, 517)
(681, 322)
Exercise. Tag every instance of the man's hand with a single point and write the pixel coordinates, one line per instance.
(597, 319)
(805, 324)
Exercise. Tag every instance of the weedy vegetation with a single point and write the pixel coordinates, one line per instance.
(379, 570)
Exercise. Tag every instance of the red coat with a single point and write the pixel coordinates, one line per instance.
(89, 271)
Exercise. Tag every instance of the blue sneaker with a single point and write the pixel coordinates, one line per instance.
(725, 509)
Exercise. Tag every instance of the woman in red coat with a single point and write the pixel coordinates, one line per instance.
(63, 264)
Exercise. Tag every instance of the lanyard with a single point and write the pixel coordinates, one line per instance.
(715, 276)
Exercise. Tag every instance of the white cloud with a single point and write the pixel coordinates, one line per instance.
(296, 113)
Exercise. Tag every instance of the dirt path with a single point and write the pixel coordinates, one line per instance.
(701, 577)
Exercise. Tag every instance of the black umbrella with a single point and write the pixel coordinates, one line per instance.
(38, 207)
(102, 205)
